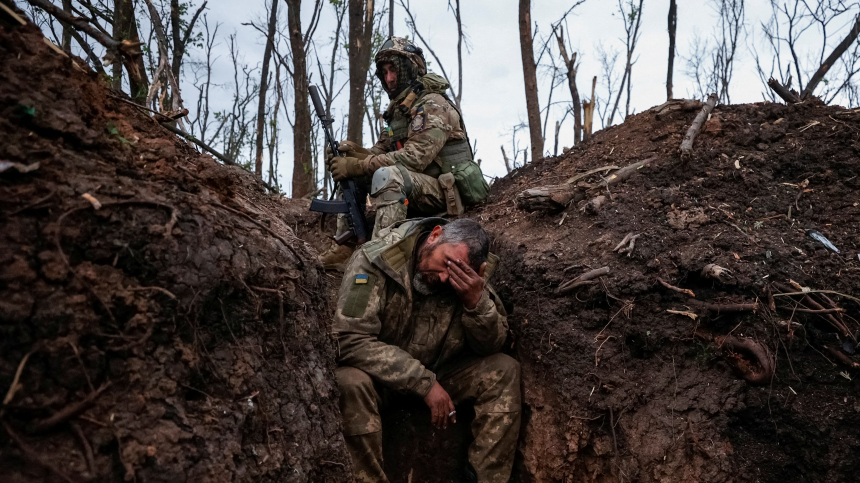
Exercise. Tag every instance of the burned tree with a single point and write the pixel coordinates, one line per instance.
(632, 16)
(571, 66)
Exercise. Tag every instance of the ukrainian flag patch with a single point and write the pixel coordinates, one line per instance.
(360, 278)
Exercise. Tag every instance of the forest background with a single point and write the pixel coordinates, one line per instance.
(246, 104)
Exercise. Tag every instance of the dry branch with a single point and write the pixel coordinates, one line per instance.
(556, 197)
(584, 279)
(787, 95)
(698, 122)
(841, 357)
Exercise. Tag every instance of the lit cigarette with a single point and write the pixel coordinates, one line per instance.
(452, 413)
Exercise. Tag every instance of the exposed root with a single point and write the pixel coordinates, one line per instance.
(724, 307)
(761, 357)
(684, 291)
(68, 412)
(584, 279)
(841, 357)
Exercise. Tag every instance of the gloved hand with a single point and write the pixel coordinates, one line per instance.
(347, 149)
(346, 167)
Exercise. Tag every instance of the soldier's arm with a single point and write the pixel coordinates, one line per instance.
(487, 324)
(357, 326)
(432, 129)
(382, 144)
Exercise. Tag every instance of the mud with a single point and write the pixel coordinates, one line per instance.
(184, 312)
(619, 389)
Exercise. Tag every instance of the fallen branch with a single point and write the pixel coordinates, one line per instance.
(584, 279)
(698, 122)
(787, 95)
(685, 291)
(128, 48)
(68, 412)
(555, 197)
(813, 311)
(759, 353)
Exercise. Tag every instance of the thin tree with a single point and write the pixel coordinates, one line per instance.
(264, 85)
(673, 26)
(360, 39)
(632, 18)
(303, 176)
(530, 80)
(571, 66)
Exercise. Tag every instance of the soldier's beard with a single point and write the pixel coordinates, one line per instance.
(427, 283)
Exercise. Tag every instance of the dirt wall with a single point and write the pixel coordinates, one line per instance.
(177, 332)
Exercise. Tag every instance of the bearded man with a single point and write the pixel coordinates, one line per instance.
(415, 315)
(423, 162)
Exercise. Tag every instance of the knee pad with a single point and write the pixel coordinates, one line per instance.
(386, 179)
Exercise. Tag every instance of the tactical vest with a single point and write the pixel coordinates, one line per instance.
(455, 157)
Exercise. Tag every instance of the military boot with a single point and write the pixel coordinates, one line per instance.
(336, 256)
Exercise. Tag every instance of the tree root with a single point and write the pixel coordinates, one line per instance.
(684, 291)
(724, 307)
(841, 357)
(68, 412)
(761, 356)
(584, 279)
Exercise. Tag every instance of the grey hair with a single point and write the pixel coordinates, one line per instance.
(470, 233)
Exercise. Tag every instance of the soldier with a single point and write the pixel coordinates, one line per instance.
(422, 162)
(415, 315)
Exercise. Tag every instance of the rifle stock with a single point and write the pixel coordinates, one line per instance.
(353, 198)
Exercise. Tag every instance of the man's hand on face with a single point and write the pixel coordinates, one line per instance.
(441, 407)
(468, 284)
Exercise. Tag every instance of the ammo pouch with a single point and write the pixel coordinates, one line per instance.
(452, 195)
(456, 158)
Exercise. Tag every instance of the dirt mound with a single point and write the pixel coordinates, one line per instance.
(159, 318)
(628, 379)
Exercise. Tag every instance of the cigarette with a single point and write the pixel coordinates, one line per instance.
(452, 413)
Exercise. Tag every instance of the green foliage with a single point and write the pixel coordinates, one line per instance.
(26, 110)
(114, 131)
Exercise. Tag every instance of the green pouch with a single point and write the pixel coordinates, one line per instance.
(359, 296)
(470, 182)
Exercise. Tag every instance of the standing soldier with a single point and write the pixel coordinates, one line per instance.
(423, 162)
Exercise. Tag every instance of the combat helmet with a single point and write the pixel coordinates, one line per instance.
(406, 57)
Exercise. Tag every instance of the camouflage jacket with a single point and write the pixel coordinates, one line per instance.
(423, 130)
(399, 337)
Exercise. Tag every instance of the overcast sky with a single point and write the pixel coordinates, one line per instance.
(493, 91)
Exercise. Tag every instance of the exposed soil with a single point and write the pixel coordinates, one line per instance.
(181, 331)
(185, 314)
(619, 389)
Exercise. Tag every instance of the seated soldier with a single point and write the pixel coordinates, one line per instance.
(422, 159)
(415, 315)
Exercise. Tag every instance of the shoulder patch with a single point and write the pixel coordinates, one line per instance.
(419, 120)
(358, 297)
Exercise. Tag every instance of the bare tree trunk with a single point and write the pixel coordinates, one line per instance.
(391, 18)
(360, 39)
(125, 28)
(588, 110)
(303, 177)
(555, 147)
(570, 63)
(632, 20)
(264, 86)
(180, 39)
(505, 157)
(530, 78)
(67, 29)
(673, 25)
(831, 59)
(459, 97)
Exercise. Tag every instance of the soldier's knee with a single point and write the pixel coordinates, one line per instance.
(508, 366)
(386, 179)
(351, 380)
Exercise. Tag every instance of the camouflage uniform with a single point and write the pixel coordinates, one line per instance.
(392, 338)
(425, 137)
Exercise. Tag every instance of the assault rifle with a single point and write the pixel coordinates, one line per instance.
(354, 198)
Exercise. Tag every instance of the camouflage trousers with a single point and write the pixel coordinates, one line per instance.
(427, 197)
(493, 383)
